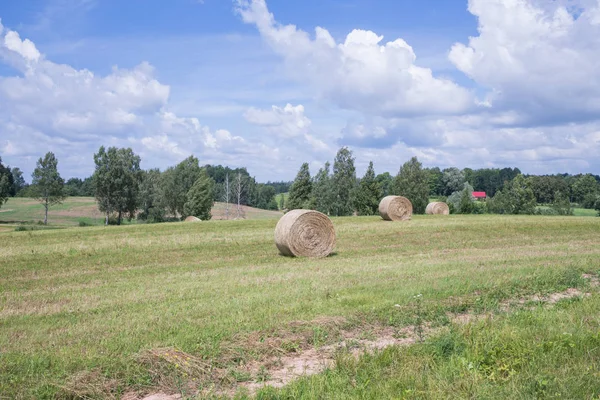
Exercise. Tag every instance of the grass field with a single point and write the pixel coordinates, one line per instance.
(84, 209)
(478, 307)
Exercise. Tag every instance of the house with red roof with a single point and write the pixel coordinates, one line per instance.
(479, 195)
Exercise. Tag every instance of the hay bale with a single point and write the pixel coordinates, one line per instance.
(437, 208)
(305, 233)
(395, 208)
(191, 218)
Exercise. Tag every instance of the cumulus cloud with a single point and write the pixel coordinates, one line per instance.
(362, 73)
(537, 58)
(287, 123)
(54, 107)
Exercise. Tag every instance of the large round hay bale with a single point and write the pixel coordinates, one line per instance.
(395, 208)
(437, 208)
(191, 218)
(305, 233)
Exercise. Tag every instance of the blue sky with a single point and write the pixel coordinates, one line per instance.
(479, 83)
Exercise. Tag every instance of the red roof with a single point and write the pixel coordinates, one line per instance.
(479, 195)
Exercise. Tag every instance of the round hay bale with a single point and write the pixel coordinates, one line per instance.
(191, 218)
(305, 233)
(395, 208)
(437, 208)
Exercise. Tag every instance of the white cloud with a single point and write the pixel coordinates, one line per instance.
(361, 73)
(539, 58)
(54, 107)
(287, 123)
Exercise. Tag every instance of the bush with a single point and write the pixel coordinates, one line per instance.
(479, 207)
(84, 223)
(22, 228)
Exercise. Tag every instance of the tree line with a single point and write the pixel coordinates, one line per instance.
(337, 191)
(123, 190)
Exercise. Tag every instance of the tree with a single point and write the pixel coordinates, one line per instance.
(344, 182)
(561, 204)
(453, 180)
(369, 193)
(412, 182)
(301, 189)
(516, 198)
(177, 182)
(199, 199)
(240, 185)
(117, 182)
(462, 201)
(436, 183)
(5, 183)
(18, 181)
(323, 190)
(386, 182)
(48, 186)
(585, 189)
(151, 197)
(266, 197)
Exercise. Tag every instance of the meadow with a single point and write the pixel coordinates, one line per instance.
(476, 306)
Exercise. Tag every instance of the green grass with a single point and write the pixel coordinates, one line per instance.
(99, 298)
(585, 212)
(75, 210)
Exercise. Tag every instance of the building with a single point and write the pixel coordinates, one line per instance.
(479, 195)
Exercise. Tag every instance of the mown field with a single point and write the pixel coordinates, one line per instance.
(479, 306)
(75, 210)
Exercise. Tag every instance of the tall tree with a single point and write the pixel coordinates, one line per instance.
(48, 186)
(344, 182)
(515, 198)
(323, 190)
(177, 183)
(117, 181)
(301, 190)
(386, 181)
(5, 183)
(585, 189)
(412, 182)
(151, 197)
(453, 180)
(436, 181)
(18, 181)
(369, 193)
(240, 189)
(199, 199)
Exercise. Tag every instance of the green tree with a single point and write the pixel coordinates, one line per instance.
(436, 183)
(200, 197)
(5, 183)
(369, 193)
(323, 190)
(457, 201)
(151, 197)
(386, 181)
(585, 189)
(343, 182)
(301, 190)
(177, 182)
(515, 198)
(453, 180)
(412, 182)
(47, 185)
(561, 204)
(18, 181)
(117, 181)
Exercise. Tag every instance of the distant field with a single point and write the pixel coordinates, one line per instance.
(494, 307)
(76, 209)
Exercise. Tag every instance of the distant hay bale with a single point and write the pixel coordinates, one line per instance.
(437, 208)
(305, 233)
(395, 208)
(191, 218)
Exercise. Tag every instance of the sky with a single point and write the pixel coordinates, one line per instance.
(270, 84)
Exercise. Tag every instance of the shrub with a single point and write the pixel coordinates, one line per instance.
(84, 223)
